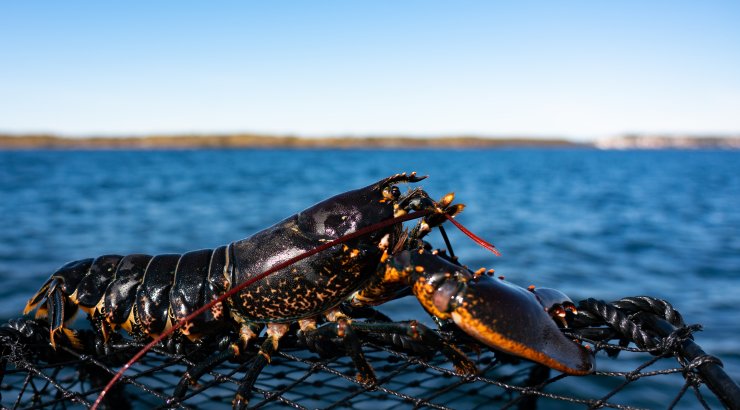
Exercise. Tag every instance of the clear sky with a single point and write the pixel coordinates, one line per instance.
(579, 69)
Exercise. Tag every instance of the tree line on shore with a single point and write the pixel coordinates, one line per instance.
(267, 141)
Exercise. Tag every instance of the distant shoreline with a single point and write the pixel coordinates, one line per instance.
(268, 141)
(246, 141)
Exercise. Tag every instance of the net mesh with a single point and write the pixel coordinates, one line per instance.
(655, 364)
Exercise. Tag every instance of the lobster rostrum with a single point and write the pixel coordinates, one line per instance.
(147, 295)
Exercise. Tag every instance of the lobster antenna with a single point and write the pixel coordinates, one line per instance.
(447, 241)
(480, 241)
(234, 290)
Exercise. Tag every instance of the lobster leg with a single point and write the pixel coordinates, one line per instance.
(191, 376)
(227, 350)
(423, 334)
(365, 312)
(317, 341)
(274, 332)
(344, 329)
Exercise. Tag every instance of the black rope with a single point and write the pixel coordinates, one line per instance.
(596, 312)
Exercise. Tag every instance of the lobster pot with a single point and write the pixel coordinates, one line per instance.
(658, 366)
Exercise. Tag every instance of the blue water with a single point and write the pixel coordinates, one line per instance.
(603, 224)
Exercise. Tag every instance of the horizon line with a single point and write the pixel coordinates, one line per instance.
(350, 136)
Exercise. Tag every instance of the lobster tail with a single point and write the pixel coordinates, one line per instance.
(38, 297)
(139, 293)
(56, 302)
(61, 310)
(53, 299)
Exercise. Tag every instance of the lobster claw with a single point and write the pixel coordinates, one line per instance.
(496, 313)
(510, 318)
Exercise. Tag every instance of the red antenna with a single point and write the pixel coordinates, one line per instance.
(477, 239)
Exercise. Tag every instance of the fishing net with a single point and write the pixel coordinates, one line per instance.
(646, 358)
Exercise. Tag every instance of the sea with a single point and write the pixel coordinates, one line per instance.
(592, 223)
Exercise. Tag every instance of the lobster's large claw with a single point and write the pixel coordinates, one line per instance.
(496, 313)
(510, 318)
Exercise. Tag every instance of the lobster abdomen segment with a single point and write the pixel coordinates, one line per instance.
(153, 294)
(119, 297)
(186, 295)
(219, 276)
(92, 287)
(70, 275)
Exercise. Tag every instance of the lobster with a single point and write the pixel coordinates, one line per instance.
(149, 295)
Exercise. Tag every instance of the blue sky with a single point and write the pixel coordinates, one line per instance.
(528, 68)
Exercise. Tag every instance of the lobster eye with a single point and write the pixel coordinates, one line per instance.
(391, 192)
(395, 192)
